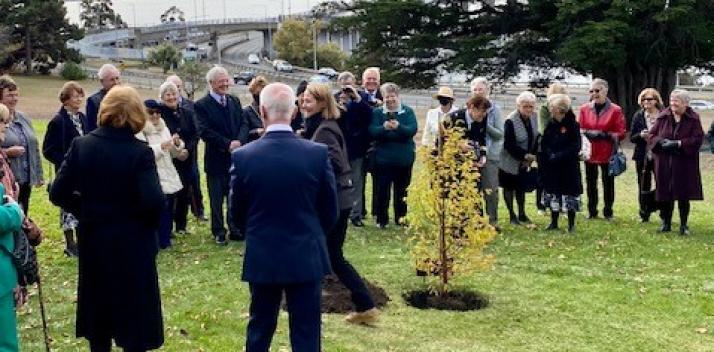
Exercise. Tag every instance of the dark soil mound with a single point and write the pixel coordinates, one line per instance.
(336, 298)
(454, 300)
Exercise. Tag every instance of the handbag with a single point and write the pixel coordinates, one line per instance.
(618, 161)
(24, 257)
(528, 179)
(649, 200)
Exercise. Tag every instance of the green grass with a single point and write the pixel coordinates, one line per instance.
(609, 287)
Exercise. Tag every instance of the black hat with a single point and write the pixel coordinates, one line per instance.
(152, 104)
(302, 86)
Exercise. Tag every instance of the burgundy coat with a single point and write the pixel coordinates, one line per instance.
(677, 172)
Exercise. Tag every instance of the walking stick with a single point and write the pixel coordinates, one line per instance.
(44, 316)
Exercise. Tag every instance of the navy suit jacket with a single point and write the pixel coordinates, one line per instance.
(283, 189)
(218, 132)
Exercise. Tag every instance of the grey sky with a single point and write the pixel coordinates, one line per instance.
(143, 12)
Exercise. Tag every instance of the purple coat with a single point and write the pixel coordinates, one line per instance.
(677, 172)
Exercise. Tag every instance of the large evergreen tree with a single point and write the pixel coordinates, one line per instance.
(39, 31)
(632, 43)
(99, 15)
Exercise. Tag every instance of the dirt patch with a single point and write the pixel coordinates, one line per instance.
(336, 298)
(454, 300)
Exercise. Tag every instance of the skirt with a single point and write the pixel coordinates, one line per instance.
(561, 203)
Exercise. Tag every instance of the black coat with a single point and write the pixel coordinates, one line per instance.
(93, 103)
(328, 132)
(354, 122)
(638, 125)
(255, 122)
(183, 122)
(59, 136)
(109, 181)
(559, 159)
(218, 132)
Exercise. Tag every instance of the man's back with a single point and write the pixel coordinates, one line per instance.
(284, 190)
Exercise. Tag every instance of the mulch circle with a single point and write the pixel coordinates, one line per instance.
(336, 298)
(453, 300)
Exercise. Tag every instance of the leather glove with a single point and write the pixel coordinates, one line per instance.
(668, 144)
(590, 134)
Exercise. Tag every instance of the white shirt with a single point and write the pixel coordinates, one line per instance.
(431, 128)
(279, 127)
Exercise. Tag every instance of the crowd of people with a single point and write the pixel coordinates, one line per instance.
(287, 174)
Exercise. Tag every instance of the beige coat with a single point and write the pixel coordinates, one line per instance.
(154, 135)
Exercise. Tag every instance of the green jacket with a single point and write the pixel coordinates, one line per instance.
(394, 147)
(543, 118)
(10, 221)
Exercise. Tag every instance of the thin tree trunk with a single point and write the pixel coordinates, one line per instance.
(28, 51)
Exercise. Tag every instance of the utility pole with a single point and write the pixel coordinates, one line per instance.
(314, 50)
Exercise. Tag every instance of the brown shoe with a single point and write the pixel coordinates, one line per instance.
(367, 317)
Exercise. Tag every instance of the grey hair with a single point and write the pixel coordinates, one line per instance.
(389, 87)
(174, 79)
(278, 99)
(167, 87)
(680, 94)
(526, 97)
(214, 72)
(481, 80)
(345, 76)
(371, 70)
(560, 101)
(600, 82)
(105, 70)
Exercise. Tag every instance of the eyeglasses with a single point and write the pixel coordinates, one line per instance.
(648, 99)
(594, 91)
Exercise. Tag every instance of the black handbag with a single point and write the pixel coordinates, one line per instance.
(24, 257)
(648, 197)
(528, 179)
(618, 161)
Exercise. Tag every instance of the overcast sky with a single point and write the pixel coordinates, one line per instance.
(144, 12)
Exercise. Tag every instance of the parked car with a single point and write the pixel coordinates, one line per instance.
(253, 59)
(284, 66)
(276, 62)
(328, 71)
(701, 105)
(243, 77)
(319, 78)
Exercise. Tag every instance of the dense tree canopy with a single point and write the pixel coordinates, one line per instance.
(631, 43)
(38, 33)
(99, 15)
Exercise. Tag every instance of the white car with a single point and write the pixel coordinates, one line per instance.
(328, 71)
(253, 59)
(284, 66)
(701, 105)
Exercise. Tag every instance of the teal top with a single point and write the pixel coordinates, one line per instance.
(543, 118)
(10, 221)
(394, 147)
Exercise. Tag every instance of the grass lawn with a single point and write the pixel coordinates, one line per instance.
(615, 286)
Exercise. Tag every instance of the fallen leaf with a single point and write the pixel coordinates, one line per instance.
(702, 330)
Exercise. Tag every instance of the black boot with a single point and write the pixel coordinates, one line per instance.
(666, 226)
(571, 221)
(71, 246)
(553, 221)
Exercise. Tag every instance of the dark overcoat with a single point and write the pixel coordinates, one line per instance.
(218, 126)
(677, 171)
(558, 159)
(109, 181)
(60, 134)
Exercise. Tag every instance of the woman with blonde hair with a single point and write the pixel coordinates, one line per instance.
(321, 113)
(642, 122)
(109, 180)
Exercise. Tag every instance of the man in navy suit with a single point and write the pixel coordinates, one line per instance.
(221, 125)
(109, 76)
(283, 189)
